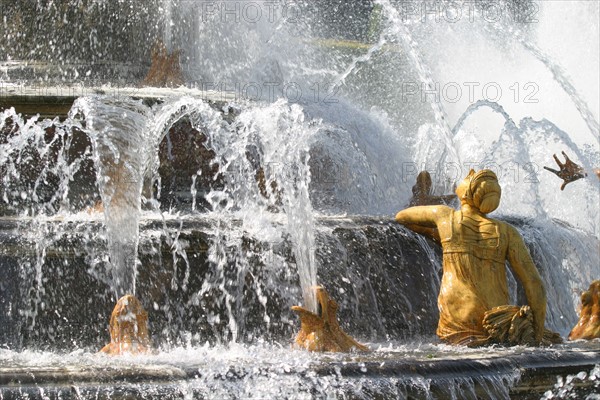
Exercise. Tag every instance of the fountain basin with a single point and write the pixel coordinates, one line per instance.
(427, 372)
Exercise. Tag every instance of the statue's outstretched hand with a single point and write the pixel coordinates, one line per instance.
(569, 171)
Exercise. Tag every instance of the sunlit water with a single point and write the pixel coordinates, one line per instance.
(273, 371)
(352, 143)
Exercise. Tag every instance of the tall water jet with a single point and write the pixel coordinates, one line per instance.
(286, 140)
(123, 149)
(264, 157)
(396, 27)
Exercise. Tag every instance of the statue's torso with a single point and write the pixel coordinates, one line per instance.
(474, 279)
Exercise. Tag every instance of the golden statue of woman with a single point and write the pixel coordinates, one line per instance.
(473, 301)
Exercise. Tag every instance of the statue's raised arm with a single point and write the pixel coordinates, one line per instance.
(423, 219)
(424, 216)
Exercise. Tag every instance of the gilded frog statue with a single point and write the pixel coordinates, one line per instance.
(128, 328)
(321, 332)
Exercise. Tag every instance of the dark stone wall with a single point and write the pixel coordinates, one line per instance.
(9, 292)
(84, 41)
(381, 275)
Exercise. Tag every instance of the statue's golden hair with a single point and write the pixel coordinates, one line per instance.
(480, 190)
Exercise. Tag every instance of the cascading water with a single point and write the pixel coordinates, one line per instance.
(272, 145)
(517, 151)
(122, 150)
(304, 135)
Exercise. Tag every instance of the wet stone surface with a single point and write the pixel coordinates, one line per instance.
(491, 374)
(383, 280)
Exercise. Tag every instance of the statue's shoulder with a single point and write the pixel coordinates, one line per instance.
(507, 227)
(445, 212)
(445, 209)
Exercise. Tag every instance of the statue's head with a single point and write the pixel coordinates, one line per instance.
(423, 185)
(480, 190)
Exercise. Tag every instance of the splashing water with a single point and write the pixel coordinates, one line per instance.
(516, 150)
(122, 148)
(557, 72)
(264, 157)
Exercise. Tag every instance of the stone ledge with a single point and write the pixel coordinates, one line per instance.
(534, 372)
(56, 101)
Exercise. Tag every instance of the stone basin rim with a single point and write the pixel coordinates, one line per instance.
(528, 366)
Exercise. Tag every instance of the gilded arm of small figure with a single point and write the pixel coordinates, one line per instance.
(569, 171)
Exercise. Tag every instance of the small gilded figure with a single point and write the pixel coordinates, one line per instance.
(422, 193)
(588, 326)
(321, 332)
(569, 171)
(128, 328)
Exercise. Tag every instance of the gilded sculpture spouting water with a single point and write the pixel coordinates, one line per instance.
(128, 328)
(588, 326)
(473, 301)
(321, 332)
(165, 70)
